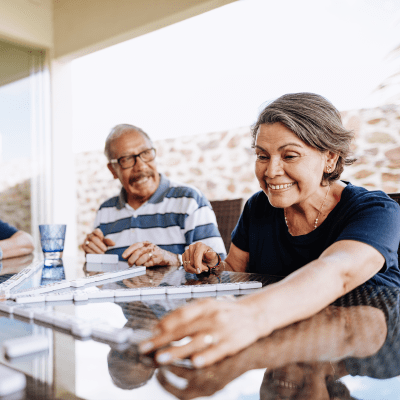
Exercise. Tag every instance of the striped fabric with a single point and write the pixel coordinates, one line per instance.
(174, 217)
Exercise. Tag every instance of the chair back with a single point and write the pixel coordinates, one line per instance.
(396, 197)
(227, 213)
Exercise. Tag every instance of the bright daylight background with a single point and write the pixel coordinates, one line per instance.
(214, 71)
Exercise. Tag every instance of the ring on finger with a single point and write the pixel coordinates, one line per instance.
(87, 242)
(150, 255)
(186, 262)
(209, 339)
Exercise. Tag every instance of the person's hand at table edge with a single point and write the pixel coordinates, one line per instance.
(96, 243)
(150, 255)
(199, 258)
(217, 329)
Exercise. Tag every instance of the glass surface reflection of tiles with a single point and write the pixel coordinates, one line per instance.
(93, 342)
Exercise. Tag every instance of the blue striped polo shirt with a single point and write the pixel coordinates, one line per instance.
(176, 216)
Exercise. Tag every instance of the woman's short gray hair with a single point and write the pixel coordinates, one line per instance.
(315, 121)
(118, 131)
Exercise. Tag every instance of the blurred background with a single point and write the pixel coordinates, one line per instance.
(193, 74)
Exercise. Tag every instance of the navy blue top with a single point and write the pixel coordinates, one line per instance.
(6, 230)
(366, 216)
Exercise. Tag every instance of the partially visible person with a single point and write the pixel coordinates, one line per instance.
(154, 219)
(324, 236)
(14, 243)
(358, 335)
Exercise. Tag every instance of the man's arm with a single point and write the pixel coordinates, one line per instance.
(19, 244)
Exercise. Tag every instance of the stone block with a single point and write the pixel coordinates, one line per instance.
(380, 137)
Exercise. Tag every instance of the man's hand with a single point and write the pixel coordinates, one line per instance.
(149, 255)
(96, 243)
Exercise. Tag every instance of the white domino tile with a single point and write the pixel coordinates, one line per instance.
(197, 295)
(81, 329)
(25, 345)
(109, 333)
(108, 275)
(204, 288)
(102, 258)
(26, 312)
(7, 307)
(88, 279)
(101, 294)
(127, 292)
(44, 316)
(109, 259)
(138, 335)
(60, 296)
(178, 289)
(250, 285)
(94, 258)
(42, 289)
(227, 286)
(80, 295)
(11, 382)
(63, 321)
(31, 298)
(148, 291)
(16, 279)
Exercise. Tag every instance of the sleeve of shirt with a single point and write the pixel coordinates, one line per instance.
(6, 230)
(374, 220)
(97, 220)
(201, 226)
(240, 235)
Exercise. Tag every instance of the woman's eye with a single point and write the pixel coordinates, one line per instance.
(262, 157)
(290, 157)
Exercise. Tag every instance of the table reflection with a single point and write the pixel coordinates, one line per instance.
(358, 335)
(11, 266)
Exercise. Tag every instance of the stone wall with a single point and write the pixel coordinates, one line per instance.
(220, 164)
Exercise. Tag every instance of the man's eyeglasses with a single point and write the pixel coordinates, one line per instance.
(129, 161)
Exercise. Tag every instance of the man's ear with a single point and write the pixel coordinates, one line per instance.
(111, 168)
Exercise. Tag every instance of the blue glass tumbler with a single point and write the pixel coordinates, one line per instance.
(52, 239)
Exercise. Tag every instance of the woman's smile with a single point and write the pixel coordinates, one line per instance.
(281, 186)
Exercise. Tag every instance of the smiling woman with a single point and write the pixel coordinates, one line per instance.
(325, 236)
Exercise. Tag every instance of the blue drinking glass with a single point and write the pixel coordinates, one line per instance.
(52, 239)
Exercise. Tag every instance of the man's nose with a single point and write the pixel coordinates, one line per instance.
(140, 164)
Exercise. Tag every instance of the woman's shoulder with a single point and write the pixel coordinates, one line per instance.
(257, 200)
(357, 196)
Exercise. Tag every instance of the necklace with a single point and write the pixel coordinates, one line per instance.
(319, 212)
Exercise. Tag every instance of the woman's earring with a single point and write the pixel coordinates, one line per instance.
(328, 169)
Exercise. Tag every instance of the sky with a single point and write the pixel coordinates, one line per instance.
(214, 72)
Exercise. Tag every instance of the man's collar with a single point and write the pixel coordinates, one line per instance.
(157, 196)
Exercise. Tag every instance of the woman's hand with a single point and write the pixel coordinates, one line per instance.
(217, 328)
(199, 258)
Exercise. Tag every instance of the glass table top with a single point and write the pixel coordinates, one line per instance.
(348, 350)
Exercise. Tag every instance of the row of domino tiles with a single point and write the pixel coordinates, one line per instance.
(77, 326)
(183, 290)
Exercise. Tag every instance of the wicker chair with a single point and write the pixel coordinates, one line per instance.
(227, 213)
(396, 197)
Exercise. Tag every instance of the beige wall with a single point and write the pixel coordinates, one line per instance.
(85, 26)
(77, 27)
(27, 22)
